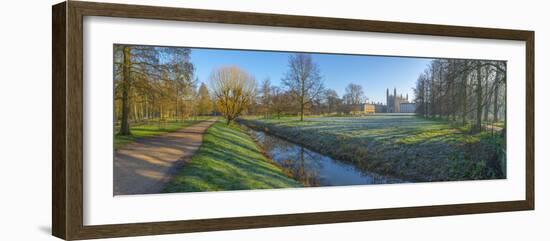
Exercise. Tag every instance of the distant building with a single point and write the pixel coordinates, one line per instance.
(372, 107)
(393, 102)
(369, 108)
(407, 108)
(379, 108)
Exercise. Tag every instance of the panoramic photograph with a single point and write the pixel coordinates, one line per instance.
(192, 119)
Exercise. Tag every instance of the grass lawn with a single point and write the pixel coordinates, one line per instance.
(154, 129)
(229, 160)
(404, 146)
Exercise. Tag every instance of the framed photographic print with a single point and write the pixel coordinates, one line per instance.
(171, 120)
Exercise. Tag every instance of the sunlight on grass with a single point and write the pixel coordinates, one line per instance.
(405, 146)
(229, 160)
(428, 135)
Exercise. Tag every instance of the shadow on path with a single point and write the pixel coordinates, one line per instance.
(145, 166)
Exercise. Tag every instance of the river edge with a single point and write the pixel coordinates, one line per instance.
(287, 172)
(389, 179)
(454, 159)
(257, 126)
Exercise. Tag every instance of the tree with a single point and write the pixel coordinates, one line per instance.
(499, 80)
(333, 101)
(233, 89)
(126, 85)
(177, 78)
(353, 97)
(354, 94)
(479, 99)
(281, 101)
(204, 102)
(265, 101)
(133, 66)
(151, 82)
(468, 91)
(303, 80)
(420, 95)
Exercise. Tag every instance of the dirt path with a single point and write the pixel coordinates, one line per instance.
(148, 164)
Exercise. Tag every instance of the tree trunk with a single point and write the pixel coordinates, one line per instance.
(424, 98)
(479, 93)
(464, 98)
(432, 94)
(495, 98)
(302, 100)
(125, 126)
(487, 98)
(302, 110)
(135, 112)
(177, 105)
(453, 100)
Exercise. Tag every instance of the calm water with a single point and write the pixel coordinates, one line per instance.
(313, 168)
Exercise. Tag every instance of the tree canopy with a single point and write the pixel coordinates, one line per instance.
(234, 89)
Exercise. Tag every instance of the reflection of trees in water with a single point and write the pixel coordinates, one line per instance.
(301, 170)
(306, 166)
(294, 159)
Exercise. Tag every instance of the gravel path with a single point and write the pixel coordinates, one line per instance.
(145, 166)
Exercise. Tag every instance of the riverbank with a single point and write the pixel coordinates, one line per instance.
(406, 147)
(228, 159)
(312, 168)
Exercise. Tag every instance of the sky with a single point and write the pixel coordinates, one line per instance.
(373, 73)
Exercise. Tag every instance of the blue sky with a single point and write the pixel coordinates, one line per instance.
(374, 73)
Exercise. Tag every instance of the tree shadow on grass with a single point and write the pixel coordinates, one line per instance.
(228, 160)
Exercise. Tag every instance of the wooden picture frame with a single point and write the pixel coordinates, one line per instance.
(67, 124)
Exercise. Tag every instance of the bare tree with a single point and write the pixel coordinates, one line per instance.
(479, 97)
(420, 95)
(462, 90)
(233, 89)
(332, 100)
(303, 80)
(265, 101)
(354, 94)
(498, 81)
(353, 97)
(281, 101)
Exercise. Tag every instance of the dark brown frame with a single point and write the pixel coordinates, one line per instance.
(67, 123)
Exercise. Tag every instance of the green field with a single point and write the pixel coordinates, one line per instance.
(229, 160)
(154, 128)
(404, 146)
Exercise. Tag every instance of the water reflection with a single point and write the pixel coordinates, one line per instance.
(312, 168)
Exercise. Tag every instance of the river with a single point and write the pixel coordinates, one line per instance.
(312, 168)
